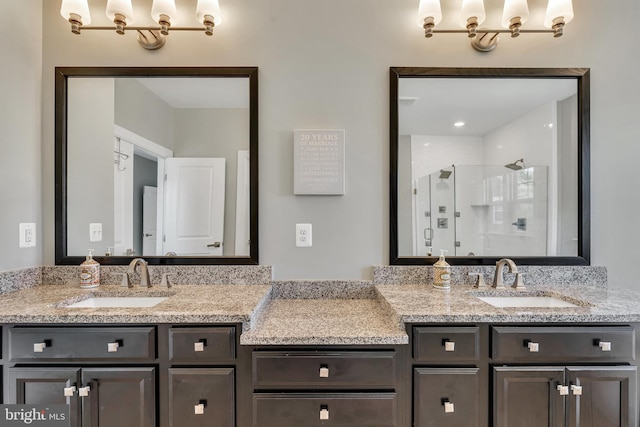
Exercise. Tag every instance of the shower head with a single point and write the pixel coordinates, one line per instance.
(515, 166)
(444, 174)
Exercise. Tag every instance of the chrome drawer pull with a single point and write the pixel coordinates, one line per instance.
(324, 413)
(604, 345)
(448, 408)
(84, 391)
(449, 346)
(577, 390)
(69, 391)
(39, 347)
(199, 409)
(198, 346)
(324, 372)
(534, 347)
(563, 389)
(112, 347)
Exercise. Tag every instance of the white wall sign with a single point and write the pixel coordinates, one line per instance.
(318, 161)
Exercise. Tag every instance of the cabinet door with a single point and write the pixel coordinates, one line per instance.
(45, 385)
(528, 396)
(446, 397)
(200, 397)
(602, 396)
(119, 397)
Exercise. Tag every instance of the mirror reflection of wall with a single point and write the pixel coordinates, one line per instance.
(457, 136)
(124, 135)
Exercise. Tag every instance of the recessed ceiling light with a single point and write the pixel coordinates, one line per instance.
(458, 124)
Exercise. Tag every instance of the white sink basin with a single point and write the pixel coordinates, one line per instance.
(117, 302)
(527, 301)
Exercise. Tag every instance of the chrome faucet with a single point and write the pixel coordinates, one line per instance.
(498, 281)
(144, 271)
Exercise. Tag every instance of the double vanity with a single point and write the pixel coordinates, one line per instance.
(389, 352)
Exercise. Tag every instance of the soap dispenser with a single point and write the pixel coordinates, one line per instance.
(89, 272)
(442, 272)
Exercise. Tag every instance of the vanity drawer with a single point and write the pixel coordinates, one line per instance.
(563, 344)
(314, 410)
(324, 369)
(82, 344)
(446, 344)
(196, 344)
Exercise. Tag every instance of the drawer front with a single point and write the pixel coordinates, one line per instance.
(446, 344)
(446, 397)
(563, 344)
(314, 410)
(82, 344)
(324, 370)
(202, 344)
(201, 397)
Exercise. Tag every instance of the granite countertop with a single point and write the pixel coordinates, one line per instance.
(317, 313)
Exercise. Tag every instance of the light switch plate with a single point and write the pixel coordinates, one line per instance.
(95, 232)
(27, 235)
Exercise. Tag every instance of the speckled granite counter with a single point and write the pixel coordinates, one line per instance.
(187, 304)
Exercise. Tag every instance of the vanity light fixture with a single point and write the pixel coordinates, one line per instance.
(163, 12)
(515, 13)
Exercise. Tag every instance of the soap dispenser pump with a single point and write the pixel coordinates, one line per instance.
(89, 272)
(442, 272)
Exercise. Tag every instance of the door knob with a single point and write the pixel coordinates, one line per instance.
(112, 347)
(533, 347)
(449, 345)
(563, 389)
(324, 372)
(69, 391)
(577, 390)
(214, 245)
(448, 407)
(39, 347)
(324, 413)
(84, 391)
(199, 408)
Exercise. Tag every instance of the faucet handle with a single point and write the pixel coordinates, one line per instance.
(165, 281)
(126, 282)
(518, 284)
(480, 283)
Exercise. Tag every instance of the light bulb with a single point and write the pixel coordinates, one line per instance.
(429, 8)
(471, 9)
(558, 9)
(77, 7)
(515, 9)
(120, 7)
(208, 8)
(163, 7)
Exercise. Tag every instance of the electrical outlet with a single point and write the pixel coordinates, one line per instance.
(303, 235)
(27, 235)
(95, 232)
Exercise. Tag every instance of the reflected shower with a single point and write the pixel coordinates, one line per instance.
(444, 174)
(515, 166)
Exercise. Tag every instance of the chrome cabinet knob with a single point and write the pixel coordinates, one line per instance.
(533, 347)
(69, 391)
(324, 372)
(604, 345)
(563, 389)
(112, 347)
(448, 407)
(39, 347)
(198, 409)
(84, 391)
(449, 346)
(324, 413)
(576, 390)
(198, 346)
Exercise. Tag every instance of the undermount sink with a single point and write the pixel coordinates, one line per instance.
(117, 302)
(527, 301)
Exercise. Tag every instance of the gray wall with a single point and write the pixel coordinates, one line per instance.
(20, 120)
(325, 64)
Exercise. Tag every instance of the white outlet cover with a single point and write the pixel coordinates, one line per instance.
(95, 232)
(27, 235)
(303, 235)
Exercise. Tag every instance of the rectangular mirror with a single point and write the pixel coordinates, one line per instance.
(489, 163)
(159, 163)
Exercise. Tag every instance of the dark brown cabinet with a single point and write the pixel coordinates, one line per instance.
(123, 397)
(580, 396)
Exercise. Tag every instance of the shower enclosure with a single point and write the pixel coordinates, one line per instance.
(482, 210)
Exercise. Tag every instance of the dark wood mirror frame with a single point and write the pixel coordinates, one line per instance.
(581, 75)
(61, 79)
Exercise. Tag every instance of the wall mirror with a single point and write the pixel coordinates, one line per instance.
(159, 163)
(489, 163)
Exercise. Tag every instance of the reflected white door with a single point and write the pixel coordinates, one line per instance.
(242, 205)
(122, 197)
(194, 206)
(149, 220)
